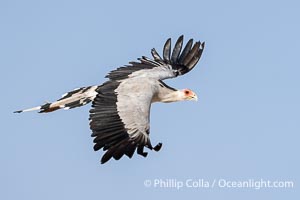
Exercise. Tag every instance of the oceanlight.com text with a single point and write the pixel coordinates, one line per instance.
(218, 183)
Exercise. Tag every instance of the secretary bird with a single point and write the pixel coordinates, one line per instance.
(119, 117)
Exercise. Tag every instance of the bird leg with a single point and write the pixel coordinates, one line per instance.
(140, 150)
(157, 147)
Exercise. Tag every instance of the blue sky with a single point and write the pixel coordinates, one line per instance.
(244, 126)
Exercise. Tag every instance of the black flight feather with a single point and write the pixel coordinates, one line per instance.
(176, 50)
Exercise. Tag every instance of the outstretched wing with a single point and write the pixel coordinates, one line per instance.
(168, 66)
(120, 119)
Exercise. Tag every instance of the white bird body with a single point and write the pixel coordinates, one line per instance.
(120, 114)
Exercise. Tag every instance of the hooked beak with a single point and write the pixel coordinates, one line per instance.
(194, 97)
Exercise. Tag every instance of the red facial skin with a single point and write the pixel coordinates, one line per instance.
(188, 92)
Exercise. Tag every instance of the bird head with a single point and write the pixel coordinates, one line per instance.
(187, 94)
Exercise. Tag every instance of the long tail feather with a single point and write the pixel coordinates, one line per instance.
(76, 98)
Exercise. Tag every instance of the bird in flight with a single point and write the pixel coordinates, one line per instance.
(119, 117)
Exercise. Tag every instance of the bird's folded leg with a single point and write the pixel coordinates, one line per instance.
(157, 147)
(140, 150)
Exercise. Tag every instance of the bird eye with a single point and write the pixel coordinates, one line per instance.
(187, 92)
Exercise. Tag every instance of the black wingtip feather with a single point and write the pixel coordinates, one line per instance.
(130, 149)
(167, 50)
(202, 46)
(106, 157)
(177, 49)
(194, 60)
(191, 54)
(155, 55)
